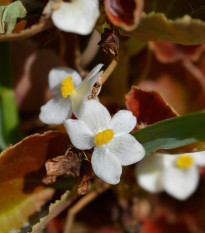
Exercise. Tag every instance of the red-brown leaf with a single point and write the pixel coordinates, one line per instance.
(148, 106)
(21, 171)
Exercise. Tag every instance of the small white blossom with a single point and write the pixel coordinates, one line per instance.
(177, 174)
(113, 146)
(70, 94)
(77, 16)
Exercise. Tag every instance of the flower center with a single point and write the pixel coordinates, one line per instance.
(184, 161)
(103, 137)
(67, 87)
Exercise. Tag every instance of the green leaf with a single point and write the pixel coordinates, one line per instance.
(9, 122)
(2, 9)
(172, 133)
(156, 27)
(9, 15)
(35, 14)
(22, 206)
(181, 22)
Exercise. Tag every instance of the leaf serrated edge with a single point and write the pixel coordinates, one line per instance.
(139, 32)
(54, 209)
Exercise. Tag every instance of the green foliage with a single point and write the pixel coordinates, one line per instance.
(9, 131)
(181, 22)
(155, 26)
(9, 15)
(172, 133)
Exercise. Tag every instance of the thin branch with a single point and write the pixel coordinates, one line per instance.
(77, 207)
(97, 86)
(107, 72)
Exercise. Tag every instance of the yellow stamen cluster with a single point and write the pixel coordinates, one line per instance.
(184, 161)
(103, 137)
(67, 87)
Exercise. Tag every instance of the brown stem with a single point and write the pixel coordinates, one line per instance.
(97, 87)
(107, 72)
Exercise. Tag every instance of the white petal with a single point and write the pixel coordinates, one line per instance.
(169, 160)
(199, 158)
(82, 93)
(79, 133)
(57, 75)
(127, 149)
(78, 16)
(123, 122)
(149, 173)
(93, 72)
(87, 84)
(106, 166)
(96, 116)
(180, 183)
(56, 110)
(78, 104)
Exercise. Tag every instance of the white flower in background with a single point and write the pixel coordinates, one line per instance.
(113, 146)
(177, 174)
(77, 16)
(70, 94)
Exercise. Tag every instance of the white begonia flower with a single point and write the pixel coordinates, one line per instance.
(77, 16)
(113, 146)
(70, 94)
(177, 174)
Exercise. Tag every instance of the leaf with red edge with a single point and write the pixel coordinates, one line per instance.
(124, 14)
(21, 171)
(148, 106)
